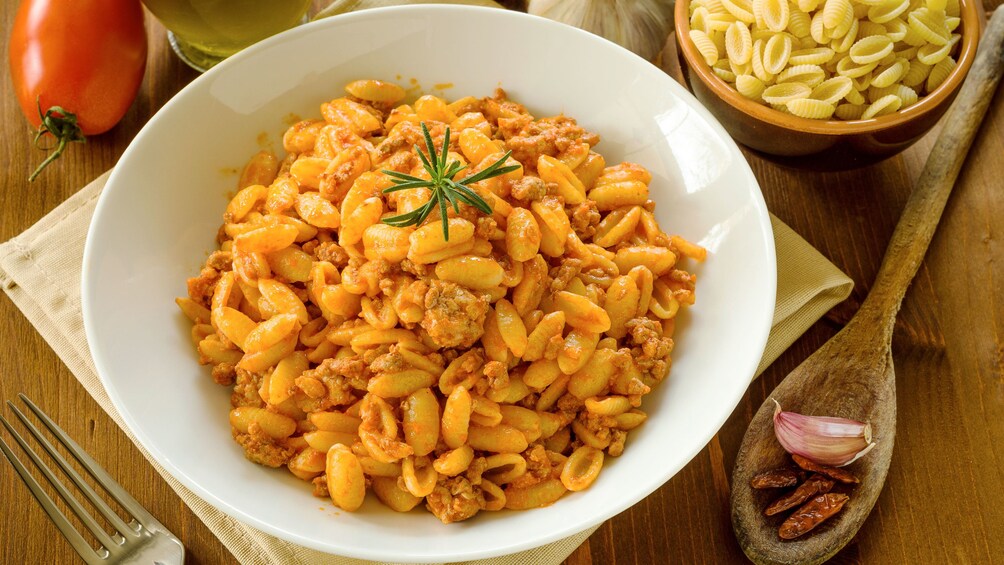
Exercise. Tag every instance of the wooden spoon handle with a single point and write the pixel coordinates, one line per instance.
(927, 201)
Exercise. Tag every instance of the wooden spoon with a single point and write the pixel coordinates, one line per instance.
(852, 376)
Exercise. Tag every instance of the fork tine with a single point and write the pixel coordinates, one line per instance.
(76, 540)
(62, 522)
(114, 489)
(96, 500)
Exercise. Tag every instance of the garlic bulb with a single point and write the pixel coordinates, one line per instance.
(824, 440)
(639, 25)
(343, 6)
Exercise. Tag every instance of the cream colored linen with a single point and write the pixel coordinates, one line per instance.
(40, 271)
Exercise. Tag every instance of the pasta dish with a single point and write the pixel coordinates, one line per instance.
(474, 359)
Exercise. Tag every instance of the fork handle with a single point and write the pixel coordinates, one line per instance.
(923, 209)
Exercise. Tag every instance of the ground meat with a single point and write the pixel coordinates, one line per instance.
(499, 106)
(454, 316)
(261, 449)
(200, 288)
(331, 252)
(484, 227)
(569, 404)
(652, 350)
(224, 374)
(529, 189)
(683, 285)
(402, 162)
(406, 134)
(496, 375)
(547, 136)
(220, 260)
(417, 269)
(320, 486)
(378, 109)
(616, 447)
(474, 471)
(529, 401)
(598, 426)
(381, 442)
(390, 362)
(509, 127)
(553, 346)
(341, 377)
(585, 217)
(538, 467)
(245, 391)
(455, 499)
(564, 273)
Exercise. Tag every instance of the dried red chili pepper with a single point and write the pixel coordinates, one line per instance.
(816, 484)
(778, 478)
(812, 514)
(832, 472)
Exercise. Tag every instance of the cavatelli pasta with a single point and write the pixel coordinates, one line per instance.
(844, 43)
(930, 26)
(811, 108)
(888, 10)
(870, 49)
(832, 90)
(705, 46)
(814, 56)
(828, 59)
(798, 23)
(750, 87)
(890, 74)
(850, 111)
(882, 106)
(738, 43)
(784, 93)
(776, 52)
(939, 73)
(809, 75)
(776, 14)
(916, 74)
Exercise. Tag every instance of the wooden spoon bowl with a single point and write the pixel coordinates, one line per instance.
(852, 375)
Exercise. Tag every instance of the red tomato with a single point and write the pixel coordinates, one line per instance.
(81, 59)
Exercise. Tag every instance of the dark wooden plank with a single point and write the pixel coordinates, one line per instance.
(944, 500)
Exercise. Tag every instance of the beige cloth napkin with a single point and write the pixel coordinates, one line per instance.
(40, 271)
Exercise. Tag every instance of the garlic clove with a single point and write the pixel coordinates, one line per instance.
(638, 25)
(825, 440)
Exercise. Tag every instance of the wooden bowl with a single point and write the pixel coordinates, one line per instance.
(822, 144)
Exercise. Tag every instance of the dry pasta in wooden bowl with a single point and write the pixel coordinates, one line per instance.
(455, 305)
(846, 82)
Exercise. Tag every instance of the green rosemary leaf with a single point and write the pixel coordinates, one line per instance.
(409, 184)
(444, 153)
(454, 168)
(493, 170)
(446, 192)
(429, 145)
(474, 198)
(443, 217)
(398, 176)
(452, 197)
(425, 161)
(468, 200)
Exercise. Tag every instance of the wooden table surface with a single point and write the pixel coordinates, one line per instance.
(944, 499)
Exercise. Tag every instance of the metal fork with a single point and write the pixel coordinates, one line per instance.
(142, 540)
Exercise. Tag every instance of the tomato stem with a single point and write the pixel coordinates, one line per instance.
(60, 124)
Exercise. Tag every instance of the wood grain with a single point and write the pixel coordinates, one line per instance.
(852, 375)
(944, 497)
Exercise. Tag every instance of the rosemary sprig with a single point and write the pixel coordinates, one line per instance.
(445, 190)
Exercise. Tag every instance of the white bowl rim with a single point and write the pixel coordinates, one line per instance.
(757, 335)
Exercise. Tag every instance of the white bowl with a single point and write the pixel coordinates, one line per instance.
(159, 213)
